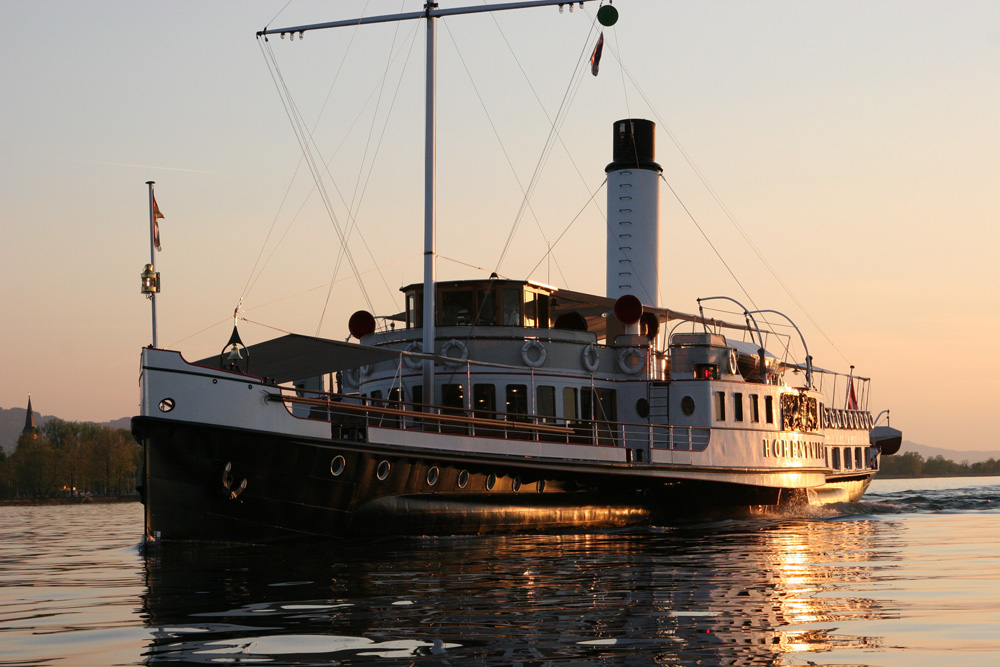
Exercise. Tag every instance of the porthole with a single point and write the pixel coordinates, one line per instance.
(687, 405)
(642, 408)
(337, 465)
(432, 475)
(516, 484)
(383, 470)
(167, 404)
(491, 481)
(541, 485)
(463, 479)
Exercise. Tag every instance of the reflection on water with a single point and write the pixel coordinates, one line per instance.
(908, 578)
(740, 593)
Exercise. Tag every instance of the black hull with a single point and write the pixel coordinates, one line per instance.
(220, 484)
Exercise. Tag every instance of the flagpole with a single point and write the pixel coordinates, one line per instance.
(152, 253)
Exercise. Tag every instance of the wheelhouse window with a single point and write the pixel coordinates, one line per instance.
(754, 408)
(769, 409)
(738, 407)
(457, 307)
(481, 303)
(414, 309)
(512, 304)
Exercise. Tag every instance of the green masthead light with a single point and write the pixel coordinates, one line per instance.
(607, 16)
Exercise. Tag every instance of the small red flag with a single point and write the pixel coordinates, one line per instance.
(156, 225)
(595, 57)
(852, 399)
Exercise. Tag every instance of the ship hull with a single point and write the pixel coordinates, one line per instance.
(211, 483)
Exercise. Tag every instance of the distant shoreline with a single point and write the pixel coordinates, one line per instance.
(102, 500)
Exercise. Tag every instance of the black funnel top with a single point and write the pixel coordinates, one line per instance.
(634, 145)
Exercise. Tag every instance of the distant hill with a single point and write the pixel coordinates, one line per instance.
(976, 456)
(12, 423)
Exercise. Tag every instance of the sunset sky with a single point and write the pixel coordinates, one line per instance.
(855, 144)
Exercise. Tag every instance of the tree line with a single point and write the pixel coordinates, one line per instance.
(912, 464)
(71, 459)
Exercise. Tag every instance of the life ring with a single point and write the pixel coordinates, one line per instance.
(590, 357)
(412, 362)
(733, 366)
(463, 352)
(352, 377)
(526, 353)
(623, 360)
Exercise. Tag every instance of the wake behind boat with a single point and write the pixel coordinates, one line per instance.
(517, 406)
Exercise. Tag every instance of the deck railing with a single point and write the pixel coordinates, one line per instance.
(350, 416)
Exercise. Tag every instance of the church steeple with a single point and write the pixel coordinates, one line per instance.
(29, 421)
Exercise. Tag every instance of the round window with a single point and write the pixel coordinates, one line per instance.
(491, 481)
(432, 475)
(463, 479)
(337, 465)
(383, 470)
(687, 405)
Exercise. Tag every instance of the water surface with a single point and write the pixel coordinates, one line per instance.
(910, 576)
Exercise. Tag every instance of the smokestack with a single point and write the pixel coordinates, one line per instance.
(634, 213)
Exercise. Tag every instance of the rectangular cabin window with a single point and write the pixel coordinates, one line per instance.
(517, 400)
(543, 311)
(418, 393)
(570, 411)
(453, 399)
(395, 395)
(858, 459)
(457, 308)
(836, 458)
(738, 407)
(754, 408)
(769, 409)
(720, 406)
(530, 309)
(487, 311)
(847, 458)
(545, 404)
(512, 304)
(484, 401)
(599, 404)
(414, 306)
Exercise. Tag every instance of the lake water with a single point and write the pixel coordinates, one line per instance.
(909, 577)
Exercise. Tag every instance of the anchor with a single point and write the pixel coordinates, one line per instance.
(227, 482)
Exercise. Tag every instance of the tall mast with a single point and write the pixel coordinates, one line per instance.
(431, 12)
(430, 201)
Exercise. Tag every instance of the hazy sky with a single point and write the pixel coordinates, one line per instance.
(856, 143)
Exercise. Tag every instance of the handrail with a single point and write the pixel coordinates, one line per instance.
(417, 414)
